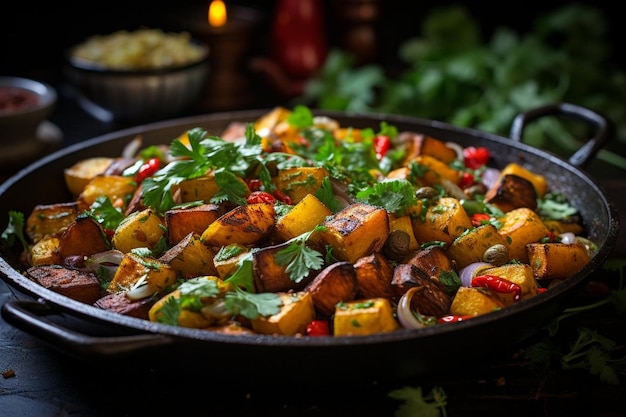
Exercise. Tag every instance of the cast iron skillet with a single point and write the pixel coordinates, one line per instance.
(403, 354)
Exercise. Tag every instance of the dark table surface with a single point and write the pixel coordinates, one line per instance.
(38, 380)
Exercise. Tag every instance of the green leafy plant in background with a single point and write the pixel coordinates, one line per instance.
(450, 74)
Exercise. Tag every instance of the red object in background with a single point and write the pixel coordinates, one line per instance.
(299, 44)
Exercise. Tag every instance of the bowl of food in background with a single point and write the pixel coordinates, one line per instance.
(138, 76)
(24, 106)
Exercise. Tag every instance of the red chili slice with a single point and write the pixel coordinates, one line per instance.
(318, 328)
(148, 169)
(260, 197)
(498, 284)
(475, 157)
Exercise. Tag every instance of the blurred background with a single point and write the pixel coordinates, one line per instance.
(470, 65)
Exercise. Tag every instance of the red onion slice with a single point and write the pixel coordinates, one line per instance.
(470, 271)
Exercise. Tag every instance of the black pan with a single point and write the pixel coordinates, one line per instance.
(97, 335)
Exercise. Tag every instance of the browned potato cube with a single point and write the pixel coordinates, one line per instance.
(511, 192)
(83, 237)
(356, 231)
(474, 302)
(246, 225)
(471, 246)
(190, 258)
(135, 271)
(556, 260)
(303, 217)
(521, 227)
(335, 283)
(50, 219)
(297, 182)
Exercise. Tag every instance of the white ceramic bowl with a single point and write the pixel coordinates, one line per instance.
(24, 105)
(141, 95)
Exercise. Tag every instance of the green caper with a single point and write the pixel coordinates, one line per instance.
(497, 255)
(397, 245)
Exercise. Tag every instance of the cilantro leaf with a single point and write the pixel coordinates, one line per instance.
(417, 404)
(299, 258)
(394, 195)
(251, 305)
(15, 229)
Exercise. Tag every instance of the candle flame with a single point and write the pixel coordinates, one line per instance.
(217, 13)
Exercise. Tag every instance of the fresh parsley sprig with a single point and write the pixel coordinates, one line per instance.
(15, 229)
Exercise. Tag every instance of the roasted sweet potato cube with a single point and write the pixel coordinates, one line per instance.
(121, 304)
(511, 192)
(135, 271)
(416, 144)
(190, 257)
(444, 221)
(246, 225)
(521, 227)
(79, 285)
(356, 231)
(303, 217)
(538, 180)
(364, 317)
(83, 237)
(297, 182)
(474, 302)
(181, 221)
(50, 219)
(373, 275)
(432, 261)
(433, 171)
(556, 260)
(471, 246)
(269, 275)
(335, 283)
(142, 229)
(296, 312)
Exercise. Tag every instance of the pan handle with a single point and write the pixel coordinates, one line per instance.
(588, 151)
(29, 315)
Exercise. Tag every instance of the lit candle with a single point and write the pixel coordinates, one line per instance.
(217, 13)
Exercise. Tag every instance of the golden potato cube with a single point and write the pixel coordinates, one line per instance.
(435, 170)
(296, 312)
(190, 257)
(78, 175)
(364, 317)
(228, 265)
(297, 182)
(556, 260)
(444, 221)
(197, 189)
(141, 229)
(303, 217)
(471, 246)
(45, 252)
(116, 187)
(521, 227)
(189, 318)
(474, 302)
(537, 180)
(50, 219)
(520, 274)
(404, 224)
(356, 231)
(135, 270)
(245, 225)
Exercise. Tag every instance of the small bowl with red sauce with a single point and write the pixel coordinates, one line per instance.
(24, 105)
